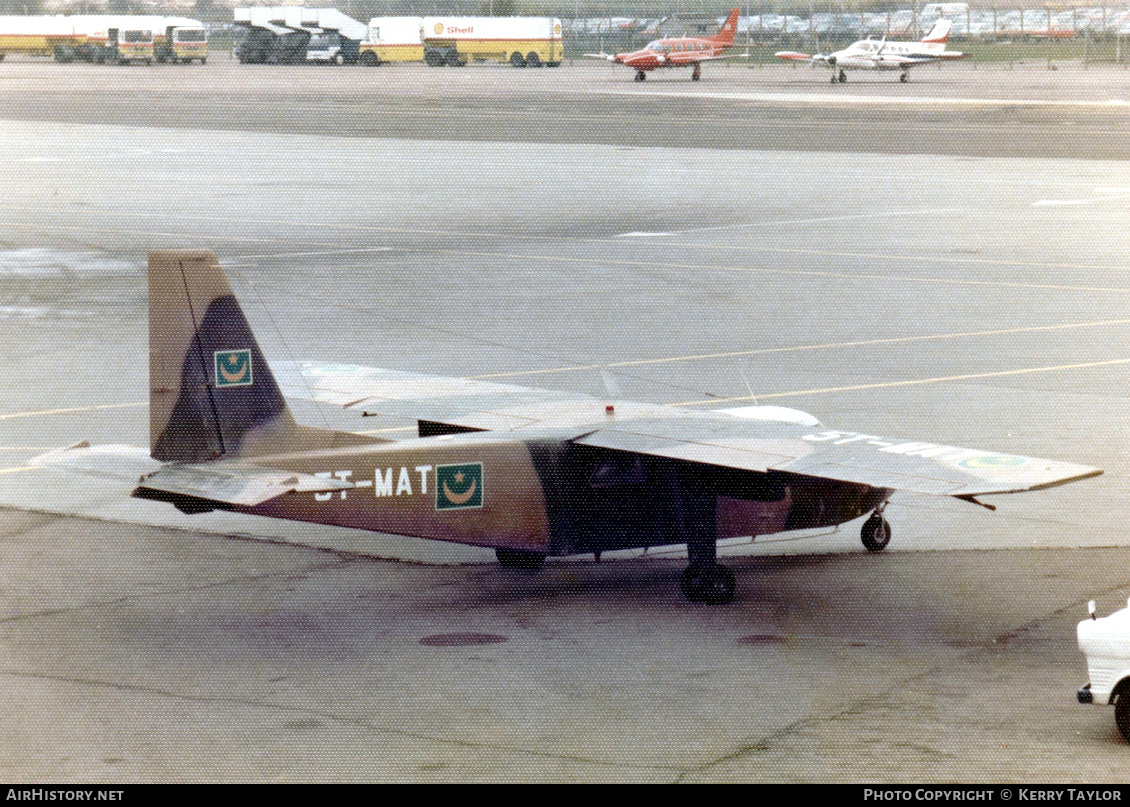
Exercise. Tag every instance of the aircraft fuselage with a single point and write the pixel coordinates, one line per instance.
(550, 497)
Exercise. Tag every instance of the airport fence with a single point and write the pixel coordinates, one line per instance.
(999, 34)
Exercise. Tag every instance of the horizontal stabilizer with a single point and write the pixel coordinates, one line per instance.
(126, 463)
(233, 483)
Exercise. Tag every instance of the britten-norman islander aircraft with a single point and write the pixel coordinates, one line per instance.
(879, 54)
(683, 51)
(530, 473)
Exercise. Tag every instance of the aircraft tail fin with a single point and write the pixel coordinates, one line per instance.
(211, 393)
(939, 33)
(725, 35)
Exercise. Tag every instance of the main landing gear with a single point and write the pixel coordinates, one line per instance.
(876, 532)
(696, 74)
(641, 75)
(905, 75)
(709, 583)
(839, 76)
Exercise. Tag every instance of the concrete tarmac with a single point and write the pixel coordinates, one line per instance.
(903, 262)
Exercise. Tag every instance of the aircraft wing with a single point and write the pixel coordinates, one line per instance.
(845, 456)
(710, 438)
(792, 56)
(467, 403)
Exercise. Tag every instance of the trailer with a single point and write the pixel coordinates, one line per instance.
(49, 36)
(455, 41)
(521, 41)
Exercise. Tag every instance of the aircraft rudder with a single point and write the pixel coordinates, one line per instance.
(729, 28)
(211, 392)
(939, 33)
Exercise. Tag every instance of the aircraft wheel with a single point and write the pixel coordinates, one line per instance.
(843, 77)
(1122, 713)
(520, 559)
(876, 533)
(903, 78)
(712, 585)
(641, 76)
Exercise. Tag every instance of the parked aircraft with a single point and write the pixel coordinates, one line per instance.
(879, 54)
(530, 473)
(683, 51)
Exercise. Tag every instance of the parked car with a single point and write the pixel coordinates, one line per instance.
(1106, 644)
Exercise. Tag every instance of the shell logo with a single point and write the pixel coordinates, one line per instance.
(557, 29)
(438, 28)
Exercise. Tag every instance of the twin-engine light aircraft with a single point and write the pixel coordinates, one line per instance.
(530, 473)
(683, 51)
(879, 54)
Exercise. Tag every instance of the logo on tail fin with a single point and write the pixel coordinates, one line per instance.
(233, 368)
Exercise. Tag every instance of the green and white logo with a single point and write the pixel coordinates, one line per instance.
(459, 486)
(233, 368)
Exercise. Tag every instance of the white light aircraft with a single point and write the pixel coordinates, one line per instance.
(879, 54)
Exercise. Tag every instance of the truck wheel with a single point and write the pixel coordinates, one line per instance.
(339, 59)
(533, 60)
(434, 58)
(1122, 714)
(370, 59)
(517, 60)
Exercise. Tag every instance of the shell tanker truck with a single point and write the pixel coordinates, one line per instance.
(117, 39)
(455, 41)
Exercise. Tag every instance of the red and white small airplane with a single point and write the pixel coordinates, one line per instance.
(879, 54)
(683, 51)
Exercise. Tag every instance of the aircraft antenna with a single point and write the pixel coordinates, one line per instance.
(254, 288)
(748, 386)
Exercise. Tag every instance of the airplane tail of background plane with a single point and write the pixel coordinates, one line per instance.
(725, 35)
(939, 33)
(211, 393)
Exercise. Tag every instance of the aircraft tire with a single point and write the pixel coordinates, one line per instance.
(641, 76)
(520, 559)
(710, 585)
(876, 533)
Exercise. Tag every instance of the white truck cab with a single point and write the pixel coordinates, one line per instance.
(1106, 644)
